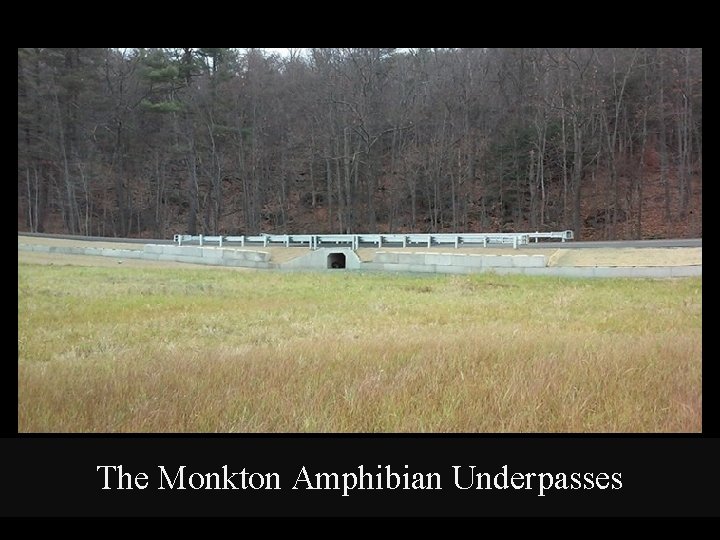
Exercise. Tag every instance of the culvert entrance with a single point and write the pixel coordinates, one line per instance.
(336, 260)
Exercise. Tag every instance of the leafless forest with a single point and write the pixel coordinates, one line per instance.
(150, 142)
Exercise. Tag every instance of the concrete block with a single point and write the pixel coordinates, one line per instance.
(648, 271)
(93, 251)
(385, 257)
(607, 271)
(503, 270)
(475, 261)
(257, 256)
(421, 268)
(211, 252)
(528, 261)
(236, 263)
(686, 271)
(545, 271)
(232, 254)
(497, 261)
(411, 258)
(41, 249)
(452, 269)
(459, 259)
(630, 272)
(439, 259)
(399, 267)
(242, 263)
(192, 259)
(353, 262)
(184, 251)
(573, 271)
(179, 258)
(153, 248)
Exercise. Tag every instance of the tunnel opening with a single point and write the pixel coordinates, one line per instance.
(336, 260)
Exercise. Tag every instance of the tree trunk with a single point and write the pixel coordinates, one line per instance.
(192, 191)
(577, 173)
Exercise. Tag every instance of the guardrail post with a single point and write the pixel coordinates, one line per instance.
(242, 241)
(484, 241)
(201, 239)
(429, 240)
(404, 241)
(287, 241)
(180, 239)
(457, 238)
(515, 242)
(221, 241)
(265, 241)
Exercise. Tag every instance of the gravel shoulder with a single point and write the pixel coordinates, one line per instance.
(627, 257)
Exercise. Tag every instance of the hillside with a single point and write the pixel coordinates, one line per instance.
(153, 142)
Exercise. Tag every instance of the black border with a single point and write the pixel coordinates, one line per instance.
(662, 476)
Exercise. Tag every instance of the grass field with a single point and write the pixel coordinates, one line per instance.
(122, 349)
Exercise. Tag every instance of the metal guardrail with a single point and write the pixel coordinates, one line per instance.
(562, 235)
(314, 241)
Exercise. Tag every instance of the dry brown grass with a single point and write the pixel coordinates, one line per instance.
(194, 350)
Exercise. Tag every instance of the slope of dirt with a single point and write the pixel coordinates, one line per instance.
(627, 257)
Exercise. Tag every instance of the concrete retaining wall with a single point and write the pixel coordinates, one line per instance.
(472, 262)
(71, 250)
(444, 263)
(156, 252)
(558, 271)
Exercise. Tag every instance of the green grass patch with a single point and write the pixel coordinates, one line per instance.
(185, 350)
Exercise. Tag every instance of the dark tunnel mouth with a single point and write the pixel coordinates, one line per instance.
(336, 260)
